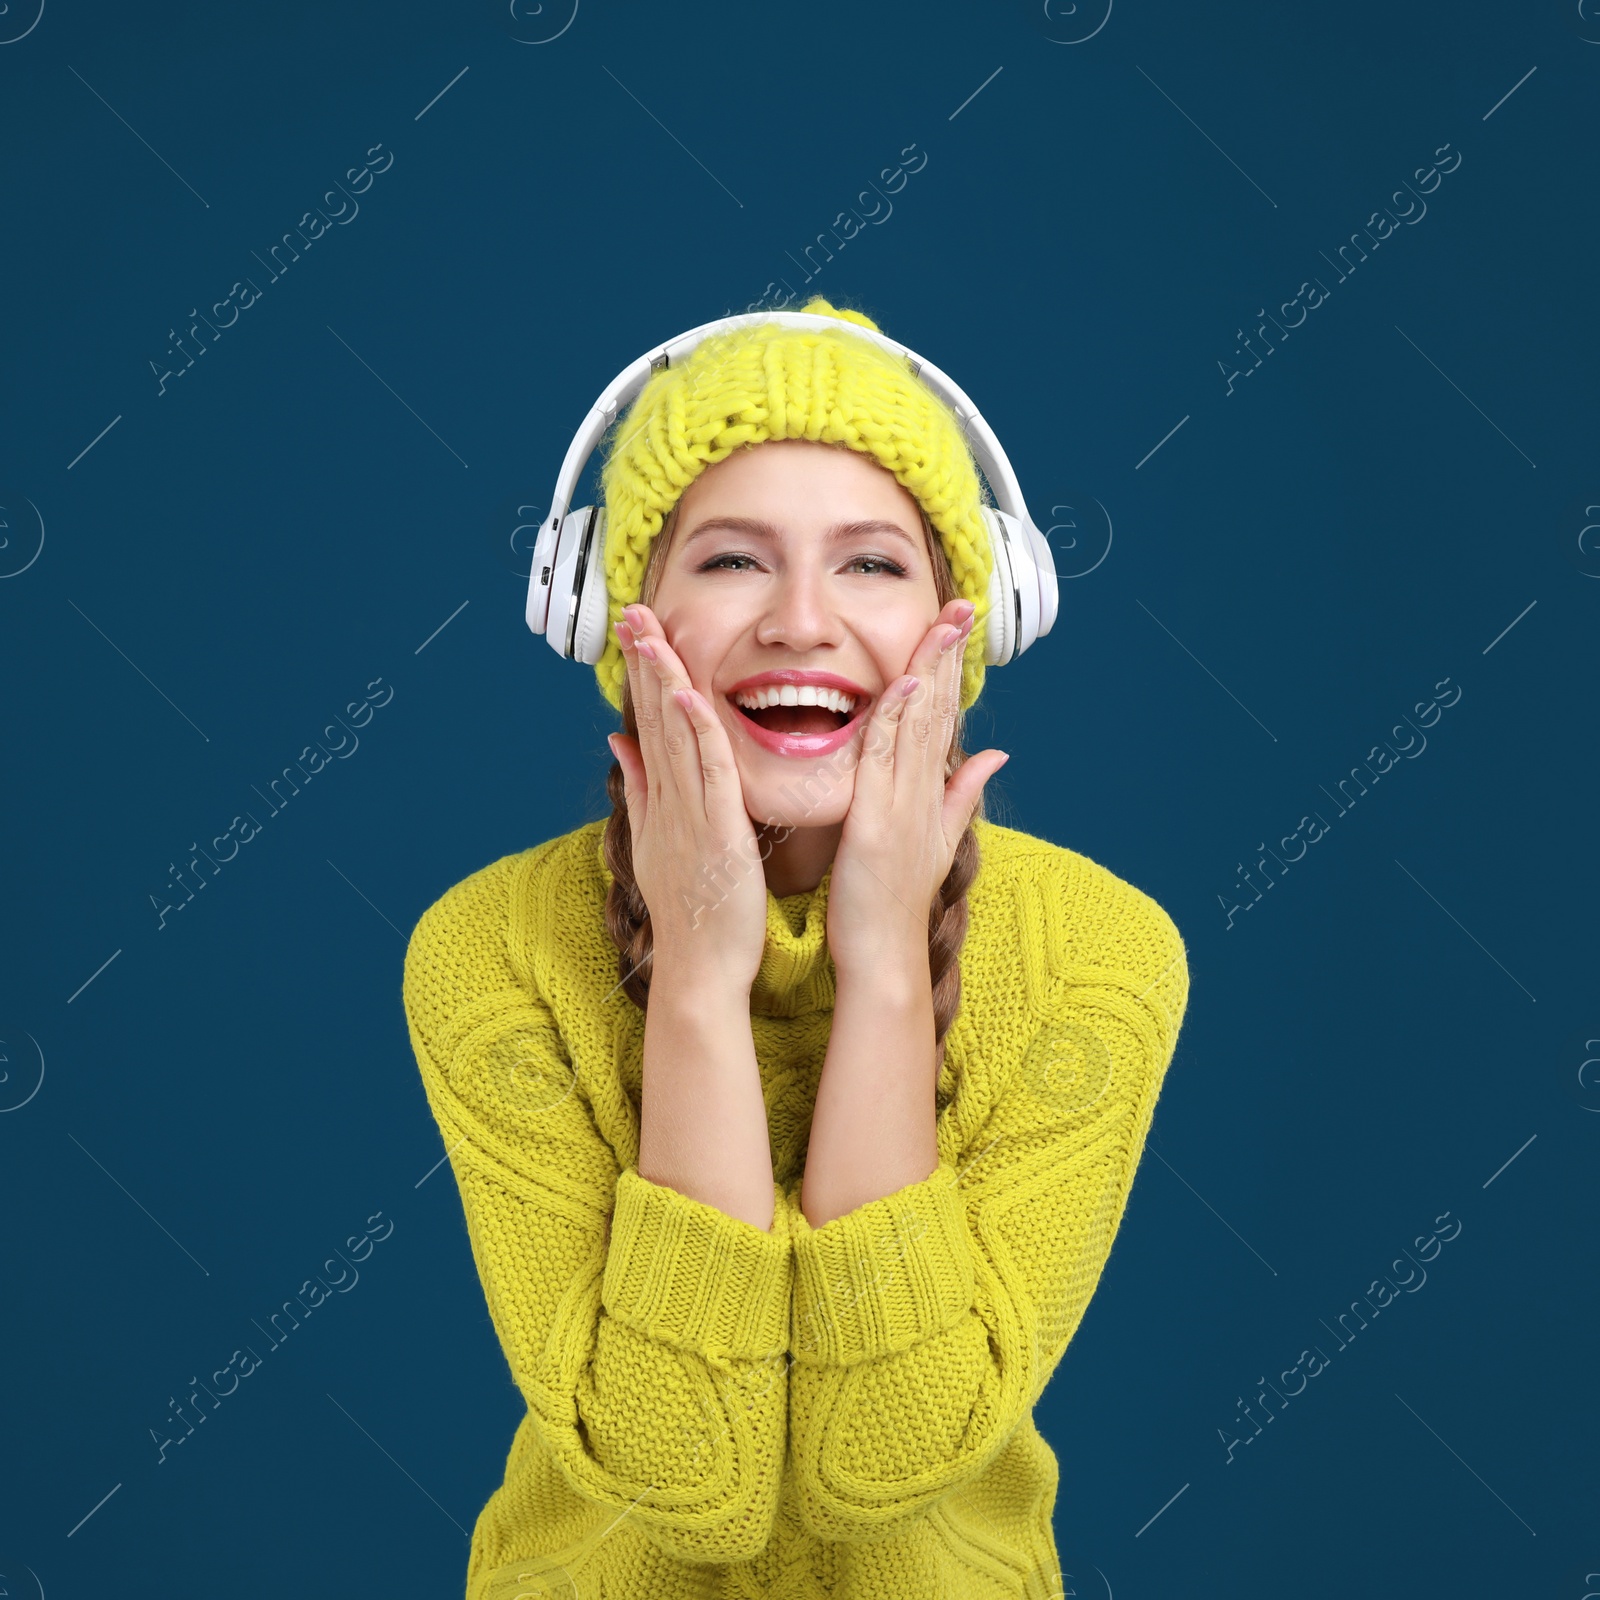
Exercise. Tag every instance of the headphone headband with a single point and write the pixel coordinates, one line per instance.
(564, 568)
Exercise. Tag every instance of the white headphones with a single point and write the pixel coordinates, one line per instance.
(567, 589)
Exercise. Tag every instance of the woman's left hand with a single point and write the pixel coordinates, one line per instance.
(904, 823)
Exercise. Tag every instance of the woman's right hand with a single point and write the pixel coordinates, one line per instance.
(696, 857)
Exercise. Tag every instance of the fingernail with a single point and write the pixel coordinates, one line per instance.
(646, 649)
(611, 743)
(624, 633)
(951, 639)
(908, 687)
(1003, 759)
(969, 609)
(631, 616)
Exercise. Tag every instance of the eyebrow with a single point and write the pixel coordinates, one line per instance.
(760, 528)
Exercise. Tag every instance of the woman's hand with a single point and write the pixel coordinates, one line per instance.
(696, 857)
(905, 821)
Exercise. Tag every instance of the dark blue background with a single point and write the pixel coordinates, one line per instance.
(1290, 573)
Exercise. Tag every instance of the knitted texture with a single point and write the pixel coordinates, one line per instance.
(767, 381)
(715, 1409)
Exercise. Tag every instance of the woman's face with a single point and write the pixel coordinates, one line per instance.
(793, 556)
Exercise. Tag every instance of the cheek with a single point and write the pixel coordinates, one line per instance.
(701, 671)
(892, 651)
(701, 655)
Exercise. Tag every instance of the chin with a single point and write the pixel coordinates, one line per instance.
(790, 789)
(813, 794)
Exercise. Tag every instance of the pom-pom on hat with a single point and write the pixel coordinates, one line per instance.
(768, 381)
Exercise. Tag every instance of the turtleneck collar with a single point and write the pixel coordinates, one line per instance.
(797, 972)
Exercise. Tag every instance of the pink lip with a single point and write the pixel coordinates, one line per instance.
(802, 744)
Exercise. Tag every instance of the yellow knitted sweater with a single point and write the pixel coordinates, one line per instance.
(715, 1410)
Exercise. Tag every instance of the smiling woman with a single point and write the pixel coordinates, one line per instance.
(794, 1106)
(766, 697)
(794, 549)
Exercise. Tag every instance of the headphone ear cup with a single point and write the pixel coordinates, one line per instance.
(589, 636)
(1000, 632)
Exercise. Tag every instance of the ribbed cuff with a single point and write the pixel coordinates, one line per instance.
(883, 1277)
(683, 1272)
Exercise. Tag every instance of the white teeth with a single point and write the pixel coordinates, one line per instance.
(787, 694)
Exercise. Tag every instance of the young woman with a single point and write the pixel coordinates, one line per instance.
(795, 1106)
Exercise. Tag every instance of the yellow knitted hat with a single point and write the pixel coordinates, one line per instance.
(768, 381)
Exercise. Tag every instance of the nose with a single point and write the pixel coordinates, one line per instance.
(799, 612)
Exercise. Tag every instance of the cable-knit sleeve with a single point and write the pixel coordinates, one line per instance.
(927, 1323)
(647, 1331)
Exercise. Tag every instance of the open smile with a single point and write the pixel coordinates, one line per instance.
(814, 729)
